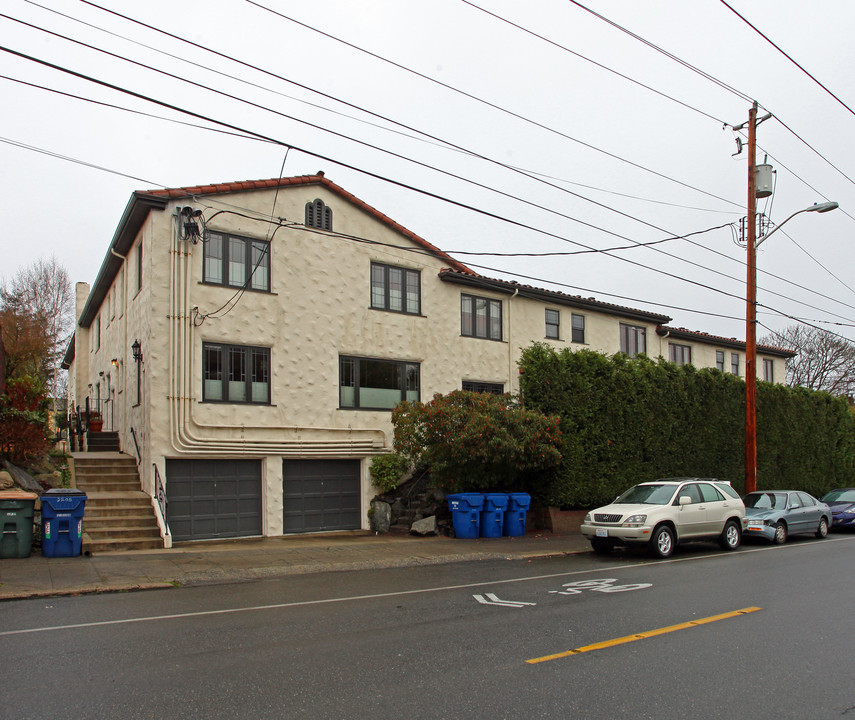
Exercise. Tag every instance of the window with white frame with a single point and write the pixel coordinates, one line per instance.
(396, 289)
(633, 339)
(480, 317)
(235, 373)
(719, 360)
(376, 384)
(680, 354)
(553, 324)
(734, 363)
(236, 262)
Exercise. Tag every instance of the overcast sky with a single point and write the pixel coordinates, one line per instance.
(568, 150)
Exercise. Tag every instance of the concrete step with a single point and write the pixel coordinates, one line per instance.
(131, 485)
(93, 547)
(117, 532)
(105, 519)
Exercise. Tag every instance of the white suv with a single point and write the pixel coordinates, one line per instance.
(665, 512)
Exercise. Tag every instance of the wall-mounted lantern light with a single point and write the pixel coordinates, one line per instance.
(136, 348)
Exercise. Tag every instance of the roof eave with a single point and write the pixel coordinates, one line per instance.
(135, 214)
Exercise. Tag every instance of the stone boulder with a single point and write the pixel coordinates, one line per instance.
(381, 516)
(425, 526)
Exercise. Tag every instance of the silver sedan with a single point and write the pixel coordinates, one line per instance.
(777, 514)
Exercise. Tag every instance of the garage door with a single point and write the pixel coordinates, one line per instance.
(320, 495)
(213, 498)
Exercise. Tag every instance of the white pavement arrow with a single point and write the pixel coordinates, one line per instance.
(491, 599)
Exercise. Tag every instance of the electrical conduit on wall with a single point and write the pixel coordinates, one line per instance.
(182, 423)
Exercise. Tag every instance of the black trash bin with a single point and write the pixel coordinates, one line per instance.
(16, 522)
(62, 522)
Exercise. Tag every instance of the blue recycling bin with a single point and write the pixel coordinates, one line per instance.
(518, 505)
(493, 514)
(62, 522)
(466, 513)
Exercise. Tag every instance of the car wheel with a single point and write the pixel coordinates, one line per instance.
(822, 530)
(731, 536)
(663, 542)
(780, 533)
(601, 547)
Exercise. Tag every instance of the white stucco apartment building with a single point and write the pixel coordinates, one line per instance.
(247, 340)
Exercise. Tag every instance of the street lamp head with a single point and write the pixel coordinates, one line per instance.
(822, 207)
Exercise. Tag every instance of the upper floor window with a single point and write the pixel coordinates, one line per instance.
(578, 329)
(719, 360)
(768, 370)
(396, 289)
(480, 317)
(318, 215)
(236, 262)
(734, 363)
(553, 318)
(633, 339)
(483, 387)
(235, 373)
(372, 384)
(680, 354)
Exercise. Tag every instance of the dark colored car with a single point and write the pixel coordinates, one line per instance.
(842, 504)
(777, 514)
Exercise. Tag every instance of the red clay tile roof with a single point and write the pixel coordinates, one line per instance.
(685, 334)
(317, 179)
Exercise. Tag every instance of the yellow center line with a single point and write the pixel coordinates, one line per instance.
(643, 635)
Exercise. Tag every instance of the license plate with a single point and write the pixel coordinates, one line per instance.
(602, 532)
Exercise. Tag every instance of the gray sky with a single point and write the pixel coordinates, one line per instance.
(603, 146)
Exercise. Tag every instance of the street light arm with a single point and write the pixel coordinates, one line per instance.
(821, 207)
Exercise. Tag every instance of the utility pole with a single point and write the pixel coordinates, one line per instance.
(751, 311)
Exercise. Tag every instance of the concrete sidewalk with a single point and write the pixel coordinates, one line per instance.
(240, 560)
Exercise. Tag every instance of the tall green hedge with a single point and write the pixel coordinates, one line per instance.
(626, 420)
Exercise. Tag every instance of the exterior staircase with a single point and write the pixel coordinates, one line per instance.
(118, 515)
(102, 441)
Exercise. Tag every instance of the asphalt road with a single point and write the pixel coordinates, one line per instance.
(764, 632)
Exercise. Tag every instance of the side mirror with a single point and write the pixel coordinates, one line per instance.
(685, 500)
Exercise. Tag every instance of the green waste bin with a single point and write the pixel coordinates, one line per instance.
(16, 522)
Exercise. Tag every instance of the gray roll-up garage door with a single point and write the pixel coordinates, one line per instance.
(320, 495)
(213, 498)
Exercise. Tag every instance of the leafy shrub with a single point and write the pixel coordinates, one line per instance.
(23, 419)
(386, 471)
(477, 441)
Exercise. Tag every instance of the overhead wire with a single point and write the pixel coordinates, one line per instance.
(480, 100)
(785, 54)
(364, 172)
(447, 143)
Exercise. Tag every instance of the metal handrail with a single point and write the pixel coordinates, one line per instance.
(136, 445)
(418, 484)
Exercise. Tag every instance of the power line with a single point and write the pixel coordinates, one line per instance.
(593, 62)
(360, 170)
(484, 102)
(786, 55)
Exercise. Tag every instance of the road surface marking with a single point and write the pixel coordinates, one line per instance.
(644, 635)
(491, 599)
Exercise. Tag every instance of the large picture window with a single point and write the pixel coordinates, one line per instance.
(480, 317)
(235, 373)
(396, 289)
(371, 384)
(633, 339)
(236, 262)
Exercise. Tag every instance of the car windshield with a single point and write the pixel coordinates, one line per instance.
(647, 495)
(839, 496)
(766, 501)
